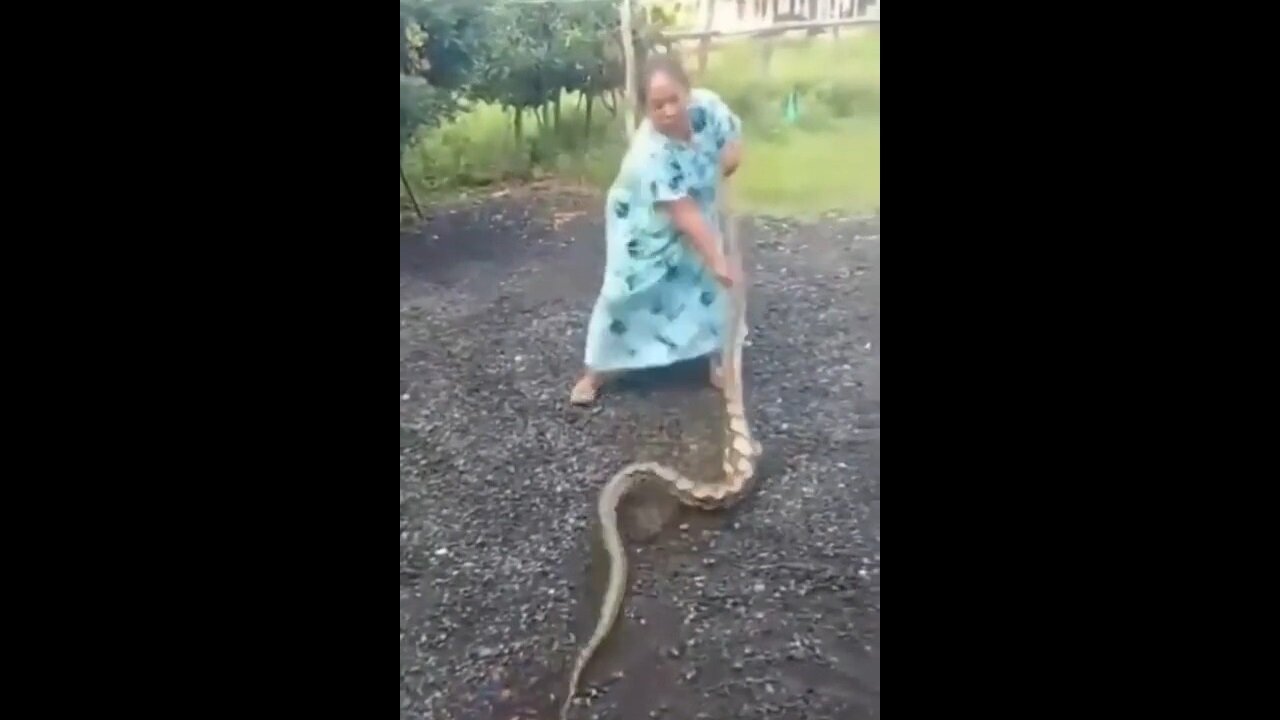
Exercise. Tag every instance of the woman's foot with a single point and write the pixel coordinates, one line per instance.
(586, 389)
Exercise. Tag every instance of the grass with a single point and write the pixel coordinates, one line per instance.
(480, 148)
(809, 173)
(828, 160)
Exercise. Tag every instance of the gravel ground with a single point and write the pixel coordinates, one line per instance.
(770, 610)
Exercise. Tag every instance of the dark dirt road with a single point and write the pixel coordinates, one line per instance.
(771, 610)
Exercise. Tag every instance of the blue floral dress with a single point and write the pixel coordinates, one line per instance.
(658, 304)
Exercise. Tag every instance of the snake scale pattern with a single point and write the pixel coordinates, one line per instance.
(741, 453)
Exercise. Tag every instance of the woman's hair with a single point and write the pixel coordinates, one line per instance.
(661, 64)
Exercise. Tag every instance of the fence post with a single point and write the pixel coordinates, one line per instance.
(629, 66)
(405, 182)
(704, 45)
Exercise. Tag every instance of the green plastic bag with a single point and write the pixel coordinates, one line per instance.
(791, 107)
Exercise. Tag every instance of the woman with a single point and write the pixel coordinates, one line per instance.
(664, 296)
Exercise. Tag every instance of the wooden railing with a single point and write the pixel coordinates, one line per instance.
(769, 30)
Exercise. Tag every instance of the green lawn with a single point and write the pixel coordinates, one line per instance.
(807, 173)
(830, 158)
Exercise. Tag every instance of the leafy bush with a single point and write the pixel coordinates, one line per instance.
(519, 56)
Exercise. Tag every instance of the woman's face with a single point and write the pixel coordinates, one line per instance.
(667, 105)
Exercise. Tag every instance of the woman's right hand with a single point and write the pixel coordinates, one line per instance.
(725, 272)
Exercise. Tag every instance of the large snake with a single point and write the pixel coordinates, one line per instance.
(741, 452)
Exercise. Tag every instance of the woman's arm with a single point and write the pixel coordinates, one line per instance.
(731, 157)
(728, 129)
(688, 219)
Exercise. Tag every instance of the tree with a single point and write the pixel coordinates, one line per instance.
(440, 44)
(520, 56)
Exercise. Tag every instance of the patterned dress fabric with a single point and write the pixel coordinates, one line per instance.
(658, 304)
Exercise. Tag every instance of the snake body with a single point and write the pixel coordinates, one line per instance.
(741, 452)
